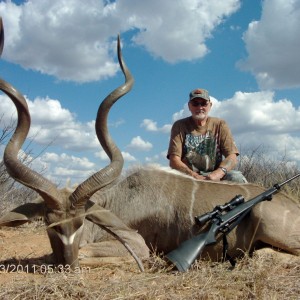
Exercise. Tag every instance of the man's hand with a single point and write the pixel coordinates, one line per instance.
(216, 175)
(198, 176)
(228, 163)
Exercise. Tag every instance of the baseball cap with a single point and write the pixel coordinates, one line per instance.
(199, 93)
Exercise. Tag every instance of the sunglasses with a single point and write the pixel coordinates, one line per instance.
(199, 103)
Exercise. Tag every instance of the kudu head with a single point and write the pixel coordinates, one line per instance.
(64, 212)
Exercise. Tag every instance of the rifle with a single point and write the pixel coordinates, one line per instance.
(223, 219)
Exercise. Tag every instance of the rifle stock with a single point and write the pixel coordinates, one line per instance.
(235, 211)
(187, 252)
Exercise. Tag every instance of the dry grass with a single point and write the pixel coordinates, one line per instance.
(260, 277)
(262, 169)
(266, 275)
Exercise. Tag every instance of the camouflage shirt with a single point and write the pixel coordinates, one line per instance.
(201, 147)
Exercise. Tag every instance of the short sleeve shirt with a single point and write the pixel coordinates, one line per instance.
(201, 147)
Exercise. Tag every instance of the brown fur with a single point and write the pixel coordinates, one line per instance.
(162, 206)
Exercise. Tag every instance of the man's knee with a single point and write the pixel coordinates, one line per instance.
(235, 176)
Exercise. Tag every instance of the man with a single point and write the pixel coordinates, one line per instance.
(202, 146)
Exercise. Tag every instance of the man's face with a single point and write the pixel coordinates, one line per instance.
(199, 108)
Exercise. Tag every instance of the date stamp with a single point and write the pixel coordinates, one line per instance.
(14, 268)
(42, 269)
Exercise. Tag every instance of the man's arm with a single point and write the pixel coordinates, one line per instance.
(227, 146)
(177, 164)
(228, 163)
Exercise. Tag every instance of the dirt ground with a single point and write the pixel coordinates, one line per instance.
(24, 275)
(20, 248)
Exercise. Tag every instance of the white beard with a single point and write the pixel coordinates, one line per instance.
(199, 117)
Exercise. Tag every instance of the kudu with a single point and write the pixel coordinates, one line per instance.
(158, 207)
(61, 205)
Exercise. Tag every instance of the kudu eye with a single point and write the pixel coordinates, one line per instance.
(58, 229)
(77, 223)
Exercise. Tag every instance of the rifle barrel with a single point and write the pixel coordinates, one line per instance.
(288, 180)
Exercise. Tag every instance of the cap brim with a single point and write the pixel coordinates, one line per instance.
(197, 97)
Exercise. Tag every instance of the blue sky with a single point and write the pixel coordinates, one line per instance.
(62, 56)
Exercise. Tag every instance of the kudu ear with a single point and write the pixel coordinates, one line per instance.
(104, 218)
(22, 214)
(113, 225)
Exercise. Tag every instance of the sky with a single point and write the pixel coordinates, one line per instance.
(61, 55)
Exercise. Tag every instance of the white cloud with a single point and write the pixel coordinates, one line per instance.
(151, 125)
(59, 167)
(128, 157)
(156, 158)
(152, 158)
(53, 124)
(137, 143)
(49, 112)
(273, 45)
(260, 113)
(10, 114)
(67, 39)
(102, 155)
(165, 30)
(117, 123)
(181, 114)
(78, 163)
(76, 40)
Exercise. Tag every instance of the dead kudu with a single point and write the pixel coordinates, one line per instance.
(157, 207)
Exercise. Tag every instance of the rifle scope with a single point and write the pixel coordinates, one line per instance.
(203, 219)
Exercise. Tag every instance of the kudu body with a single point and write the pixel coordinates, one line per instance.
(162, 205)
(157, 208)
